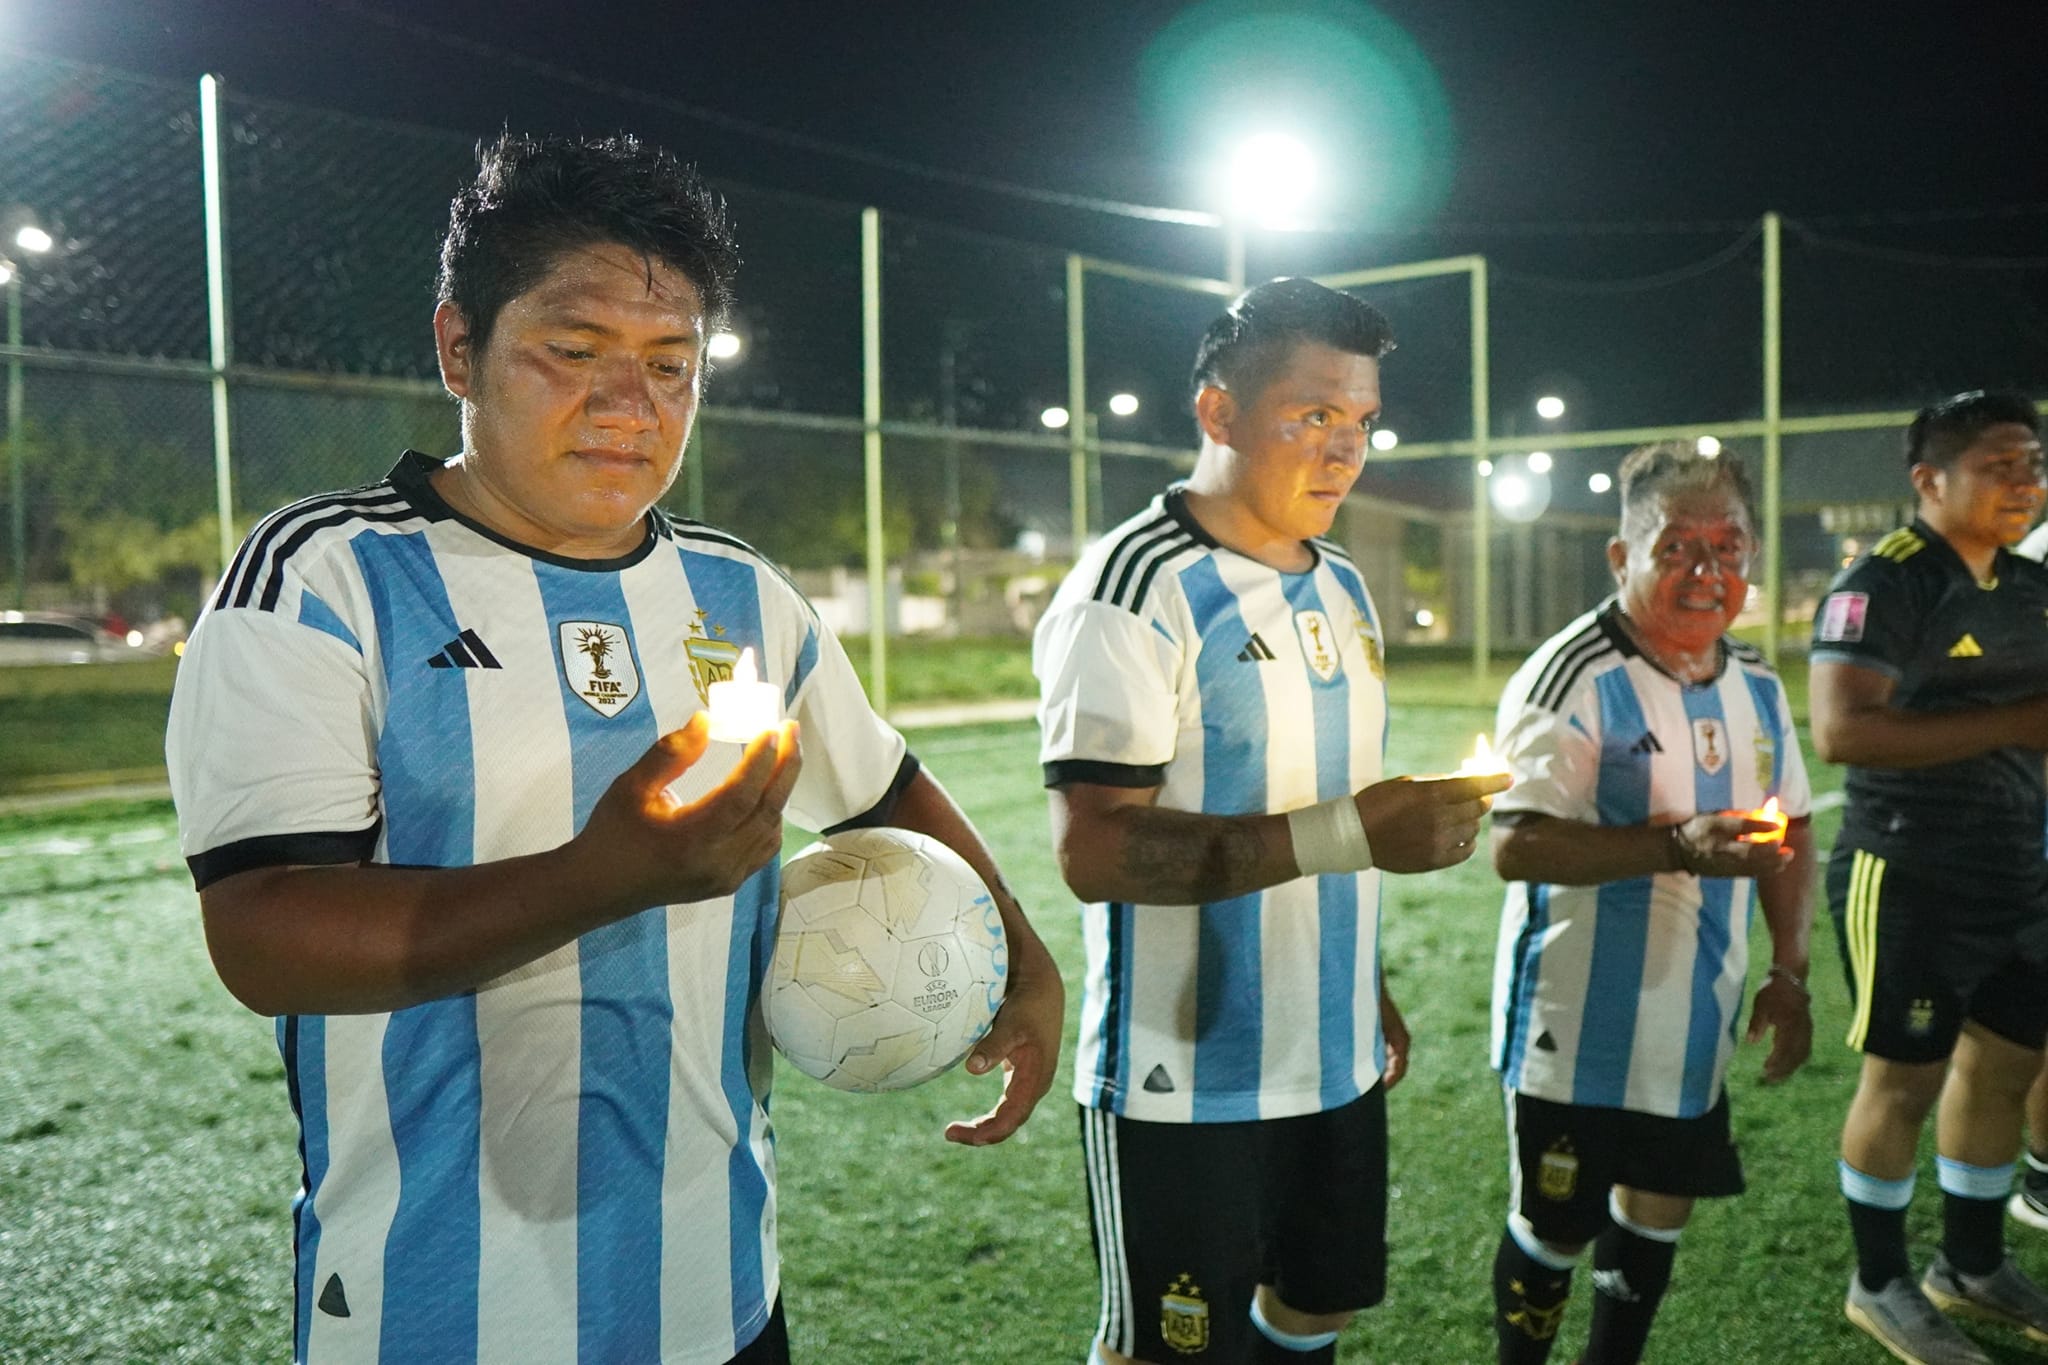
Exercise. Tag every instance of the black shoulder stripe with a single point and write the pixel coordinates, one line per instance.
(1152, 567)
(256, 561)
(1571, 680)
(682, 529)
(1334, 550)
(273, 580)
(1133, 542)
(1567, 653)
(1745, 651)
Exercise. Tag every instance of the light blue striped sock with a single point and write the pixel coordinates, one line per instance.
(1289, 1341)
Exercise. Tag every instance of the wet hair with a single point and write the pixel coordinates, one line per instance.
(1669, 467)
(1943, 431)
(1245, 347)
(537, 198)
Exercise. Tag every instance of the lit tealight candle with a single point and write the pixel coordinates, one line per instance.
(743, 706)
(1768, 811)
(1484, 762)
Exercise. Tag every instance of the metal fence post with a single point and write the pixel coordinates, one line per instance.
(871, 451)
(220, 333)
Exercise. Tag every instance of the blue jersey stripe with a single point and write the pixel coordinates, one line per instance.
(302, 1040)
(625, 1018)
(1622, 922)
(731, 593)
(1711, 791)
(1763, 694)
(1229, 1032)
(1528, 970)
(431, 1062)
(317, 614)
(1348, 578)
(1113, 1065)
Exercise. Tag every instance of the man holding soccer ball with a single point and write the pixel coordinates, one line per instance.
(422, 743)
(1214, 714)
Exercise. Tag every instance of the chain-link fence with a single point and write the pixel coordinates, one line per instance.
(1013, 423)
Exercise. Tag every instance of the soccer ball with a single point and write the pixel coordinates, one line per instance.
(889, 960)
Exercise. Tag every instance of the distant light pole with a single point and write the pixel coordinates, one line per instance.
(35, 241)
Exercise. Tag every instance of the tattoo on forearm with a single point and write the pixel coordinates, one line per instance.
(1190, 858)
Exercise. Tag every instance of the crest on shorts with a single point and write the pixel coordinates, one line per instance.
(598, 663)
(1841, 617)
(1184, 1316)
(1318, 643)
(1710, 745)
(1557, 1174)
(1919, 1017)
(711, 656)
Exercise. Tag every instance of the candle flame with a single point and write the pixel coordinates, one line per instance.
(1482, 753)
(1771, 812)
(744, 671)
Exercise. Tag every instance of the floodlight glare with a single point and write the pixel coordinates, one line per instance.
(1708, 446)
(33, 238)
(1123, 404)
(1486, 469)
(723, 345)
(1539, 461)
(1055, 419)
(1271, 177)
(6, 271)
(1385, 439)
(1600, 483)
(1510, 490)
(1550, 407)
(1424, 617)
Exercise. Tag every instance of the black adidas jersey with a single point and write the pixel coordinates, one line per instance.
(1912, 610)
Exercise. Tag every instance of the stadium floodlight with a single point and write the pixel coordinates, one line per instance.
(1270, 179)
(1055, 419)
(1510, 490)
(1424, 617)
(33, 238)
(1385, 438)
(1550, 407)
(1539, 461)
(1600, 482)
(1123, 404)
(1486, 469)
(723, 345)
(1709, 446)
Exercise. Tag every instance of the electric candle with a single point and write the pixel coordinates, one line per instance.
(1484, 762)
(743, 706)
(1768, 811)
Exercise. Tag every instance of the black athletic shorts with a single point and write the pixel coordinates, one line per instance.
(1923, 955)
(1190, 1218)
(1564, 1158)
(771, 1347)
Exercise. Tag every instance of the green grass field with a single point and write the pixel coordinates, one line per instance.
(147, 1150)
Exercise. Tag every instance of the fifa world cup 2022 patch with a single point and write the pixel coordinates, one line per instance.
(1841, 617)
(598, 663)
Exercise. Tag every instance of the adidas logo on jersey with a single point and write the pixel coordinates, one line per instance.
(1158, 1082)
(1255, 651)
(1966, 648)
(333, 1299)
(1646, 745)
(466, 650)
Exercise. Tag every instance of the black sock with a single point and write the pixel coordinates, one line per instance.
(1880, 1237)
(1972, 1233)
(1528, 1303)
(1630, 1274)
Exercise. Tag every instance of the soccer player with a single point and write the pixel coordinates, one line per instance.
(1214, 716)
(1929, 668)
(1640, 737)
(421, 745)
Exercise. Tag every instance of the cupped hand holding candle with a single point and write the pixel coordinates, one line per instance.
(744, 706)
(1768, 811)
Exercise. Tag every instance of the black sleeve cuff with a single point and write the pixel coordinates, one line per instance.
(879, 813)
(1105, 774)
(282, 850)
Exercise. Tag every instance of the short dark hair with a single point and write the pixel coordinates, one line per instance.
(1244, 347)
(1942, 431)
(535, 198)
(1650, 471)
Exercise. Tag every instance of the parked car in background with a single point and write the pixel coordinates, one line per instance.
(48, 637)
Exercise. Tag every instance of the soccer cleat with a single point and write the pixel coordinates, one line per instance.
(2029, 1204)
(2005, 1295)
(1902, 1321)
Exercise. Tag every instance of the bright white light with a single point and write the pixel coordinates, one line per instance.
(723, 345)
(1708, 446)
(1599, 483)
(33, 238)
(1539, 461)
(1512, 490)
(1424, 617)
(1486, 469)
(1031, 543)
(6, 271)
(1270, 179)
(134, 638)
(1550, 407)
(1123, 404)
(1385, 439)
(1055, 419)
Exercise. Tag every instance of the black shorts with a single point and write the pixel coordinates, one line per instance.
(1923, 955)
(1564, 1158)
(771, 1347)
(1189, 1219)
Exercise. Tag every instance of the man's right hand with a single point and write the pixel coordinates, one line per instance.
(1419, 824)
(645, 847)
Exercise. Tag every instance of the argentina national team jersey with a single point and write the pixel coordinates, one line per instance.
(572, 1162)
(1167, 661)
(1626, 995)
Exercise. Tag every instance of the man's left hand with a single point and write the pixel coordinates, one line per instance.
(1783, 1008)
(1025, 1042)
(1395, 1030)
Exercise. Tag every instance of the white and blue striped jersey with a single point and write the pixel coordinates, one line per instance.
(1168, 661)
(572, 1162)
(1626, 995)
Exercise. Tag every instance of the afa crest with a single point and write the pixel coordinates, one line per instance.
(1369, 638)
(1558, 1173)
(1184, 1316)
(597, 661)
(1766, 760)
(711, 656)
(1920, 1017)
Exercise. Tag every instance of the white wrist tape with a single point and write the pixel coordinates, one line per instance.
(1329, 837)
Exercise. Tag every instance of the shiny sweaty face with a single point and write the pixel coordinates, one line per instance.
(577, 408)
(1992, 492)
(1300, 443)
(1685, 570)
